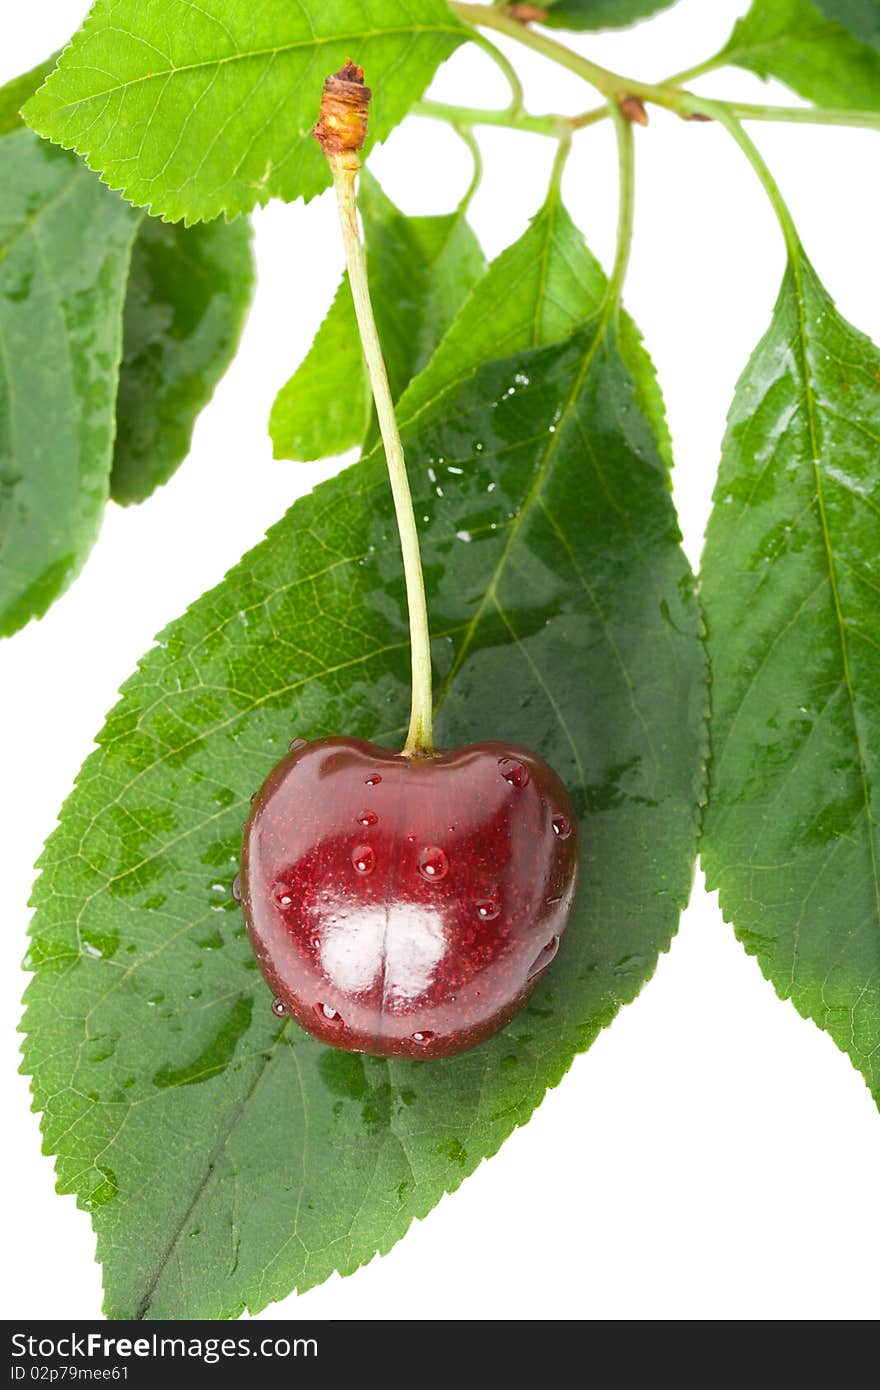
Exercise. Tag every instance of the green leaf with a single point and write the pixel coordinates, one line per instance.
(861, 17)
(420, 271)
(600, 14)
(14, 95)
(821, 61)
(197, 110)
(227, 1157)
(325, 407)
(64, 253)
(455, 262)
(188, 293)
(534, 293)
(790, 583)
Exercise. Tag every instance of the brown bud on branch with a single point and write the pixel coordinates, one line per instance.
(634, 110)
(342, 124)
(527, 14)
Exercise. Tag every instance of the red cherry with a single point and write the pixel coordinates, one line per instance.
(419, 929)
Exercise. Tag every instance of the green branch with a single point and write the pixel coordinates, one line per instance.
(668, 94)
(801, 115)
(611, 84)
(475, 115)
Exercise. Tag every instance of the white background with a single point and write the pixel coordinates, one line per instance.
(713, 1156)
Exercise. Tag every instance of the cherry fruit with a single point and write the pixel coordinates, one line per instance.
(407, 906)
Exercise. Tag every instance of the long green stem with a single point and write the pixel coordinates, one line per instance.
(420, 736)
(466, 136)
(554, 190)
(726, 118)
(626, 207)
(475, 115)
(503, 63)
(802, 115)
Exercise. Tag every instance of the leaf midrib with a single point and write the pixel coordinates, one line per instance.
(210, 1165)
(812, 426)
(532, 496)
(452, 382)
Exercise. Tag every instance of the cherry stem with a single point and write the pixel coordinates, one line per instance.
(420, 736)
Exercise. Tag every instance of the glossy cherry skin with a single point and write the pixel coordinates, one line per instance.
(407, 906)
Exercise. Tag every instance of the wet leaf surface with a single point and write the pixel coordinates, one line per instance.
(225, 1156)
(791, 581)
(420, 270)
(60, 345)
(188, 292)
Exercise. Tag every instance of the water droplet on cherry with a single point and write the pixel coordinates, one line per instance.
(516, 773)
(561, 826)
(327, 1014)
(424, 1037)
(297, 743)
(282, 894)
(363, 858)
(279, 1008)
(236, 888)
(367, 818)
(373, 780)
(487, 908)
(433, 863)
(543, 960)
